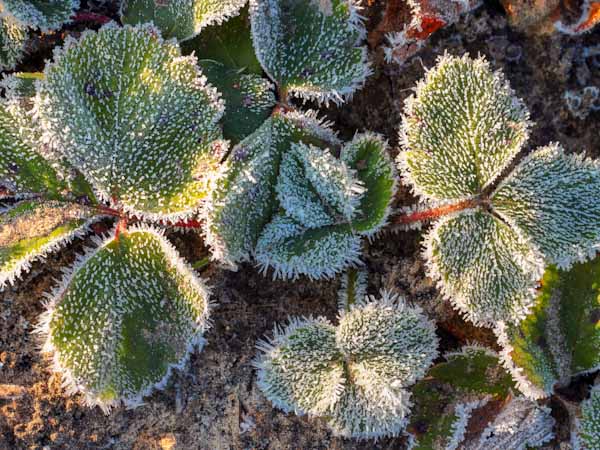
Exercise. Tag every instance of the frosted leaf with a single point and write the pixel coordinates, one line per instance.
(22, 169)
(483, 267)
(40, 14)
(353, 386)
(249, 99)
(587, 433)
(13, 37)
(300, 369)
(353, 288)
(293, 250)
(521, 425)
(135, 117)
(367, 155)
(243, 198)
(20, 84)
(552, 198)
(129, 312)
(462, 127)
(309, 47)
(182, 19)
(560, 338)
(470, 383)
(33, 228)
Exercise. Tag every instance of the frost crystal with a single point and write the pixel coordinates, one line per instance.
(182, 19)
(587, 434)
(135, 117)
(460, 132)
(309, 47)
(13, 37)
(39, 14)
(129, 312)
(354, 375)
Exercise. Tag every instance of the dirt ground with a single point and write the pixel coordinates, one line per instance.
(215, 404)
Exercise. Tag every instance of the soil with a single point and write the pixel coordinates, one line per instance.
(214, 403)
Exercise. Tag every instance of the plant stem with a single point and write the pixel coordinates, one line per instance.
(190, 223)
(433, 213)
(91, 17)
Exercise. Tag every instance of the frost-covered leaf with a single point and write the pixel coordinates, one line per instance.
(552, 198)
(471, 383)
(229, 44)
(460, 130)
(249, 99)
(40, 14)
(292, 250)
(22, 169)
(367, 154)
(20, 84)
(353, 288)
(12, 42)
(354, 375)
(309, 47)
(485, 268)
(33, 228)
(243, 198)
(561, 336)
(135, 117)
(587, 433)
(182, 19)
(130, 311)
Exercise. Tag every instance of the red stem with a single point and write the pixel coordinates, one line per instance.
(191, 223)
(121, 227)
(91, 17)
(109, 211)
(428, 214)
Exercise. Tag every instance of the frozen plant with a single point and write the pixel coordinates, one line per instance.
(17, 17)
(354, 375)
(129, 130)
(495, 229)
(587, 430)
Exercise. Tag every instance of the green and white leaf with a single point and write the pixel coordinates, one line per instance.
(485, 268)
(243, 195)
(130, 312)
(453, 391)
(309, 48)
(19, 85)
(560, 338)
(353, 288)
(354, 375)
(135, 117)
(460, 129)
(40, 14)
(552, 198)
(34, 228)
(13, 37)
(249, 99)
(22, 170)
(182, 19)
(587, 431)
(367, 155)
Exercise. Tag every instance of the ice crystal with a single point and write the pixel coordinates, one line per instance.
(135, 117)
(587, 433)
(127, 314)
(39, 14)
(354, 374)
(13, 37)
(461, 130)
(182, 19)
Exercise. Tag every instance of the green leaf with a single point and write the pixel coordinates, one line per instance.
(22, 169)
(561, 336)
(243, 197)
(466, 381)
(13, 37)
(353, 288)
(249, 99)
(229, 44)
(367, 154)
(460, 130)
(293, 250)
(486, 269)
(587, 433)
(40, 14)
(130, 312)
(552, 198)
(33, 228)
(182, 19)
(21, 84)
(308, 48)
(135, 117)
